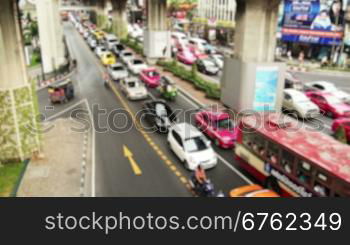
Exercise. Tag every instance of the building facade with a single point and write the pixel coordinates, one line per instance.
(215, 20)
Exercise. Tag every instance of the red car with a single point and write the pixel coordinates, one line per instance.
(329, 104)
(218, 126)
(150, 77)
(186, 57)
(342, 122)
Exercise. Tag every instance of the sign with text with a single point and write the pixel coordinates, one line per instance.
(310, 21)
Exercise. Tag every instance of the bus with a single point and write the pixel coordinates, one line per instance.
(292, 159)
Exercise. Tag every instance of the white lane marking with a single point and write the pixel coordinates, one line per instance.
(93, 152)
(234, 169)
(64, 111)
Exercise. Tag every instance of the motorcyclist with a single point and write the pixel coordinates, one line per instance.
(200, 175)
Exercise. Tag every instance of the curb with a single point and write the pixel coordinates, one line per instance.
(19, 180)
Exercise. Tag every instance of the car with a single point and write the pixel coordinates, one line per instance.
(86, 34)
(186, 57)
(328, 87)
(150, 77)
(191, 147)
(117, 49)
(99, 50)
(126, 55)
(207, 66)
(110, 40)
(218, 60)
(198, 43)
(159, 114)
(299, 105)
(329, 104)
(133, 88)
(136, 66)
(342, 122)
(92, 42)
(99, 35)
(107, 58)
(252, 191)
(218, 126)
(291, 81)
(117, 71)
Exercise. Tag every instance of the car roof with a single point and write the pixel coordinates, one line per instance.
(186, 130)
(293, 92)
(131, 79)
(149, 69)
(320, 93)
(118, 64)
(216, 115)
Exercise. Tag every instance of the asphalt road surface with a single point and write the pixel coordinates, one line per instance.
(158, 172)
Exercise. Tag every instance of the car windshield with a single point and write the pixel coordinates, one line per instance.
(138, 62)
(127, 54)
(103, 50)
(120, 47)
(113, 41)
(118, 68)
(109, 56)
(153, 74)
(333, 100)
(195, 144)
(133, 84)
(225, 123)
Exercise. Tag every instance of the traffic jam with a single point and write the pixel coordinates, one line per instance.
(284, 157)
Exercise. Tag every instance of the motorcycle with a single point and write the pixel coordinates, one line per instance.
(202, 190)
(167, 89)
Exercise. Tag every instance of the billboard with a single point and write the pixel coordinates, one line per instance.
(314, 21)
(266, 82)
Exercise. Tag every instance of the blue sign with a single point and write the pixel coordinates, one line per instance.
(309, 21)
(266, 89)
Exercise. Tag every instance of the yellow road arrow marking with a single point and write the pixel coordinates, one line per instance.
(128, 154)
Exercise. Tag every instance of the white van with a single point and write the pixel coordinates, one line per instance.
(111, 40)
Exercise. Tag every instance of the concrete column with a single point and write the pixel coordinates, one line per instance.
(119, 18)
(51, 34)
(18, 135)
(157, 34)
(252, 80)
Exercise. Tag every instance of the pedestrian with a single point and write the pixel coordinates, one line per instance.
(301, 58)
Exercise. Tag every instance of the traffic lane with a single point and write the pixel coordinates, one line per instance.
(222, 176)
(343, 82)
(114, 174)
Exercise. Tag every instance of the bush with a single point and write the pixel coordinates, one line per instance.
(133, 44)
(340, 134)
(212, 90)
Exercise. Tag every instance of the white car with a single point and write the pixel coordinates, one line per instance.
(92, 42)
(86, 33)
(126, 55)
(133, 88)
(111, 40)
(299, 104)
(100, 50)
(218, 60)
(136, 66)
(191, 146)
(117, 71)
(330, 88)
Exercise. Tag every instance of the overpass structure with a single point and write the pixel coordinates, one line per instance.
(253, 57)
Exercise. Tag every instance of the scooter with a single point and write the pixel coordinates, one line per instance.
(202, 190)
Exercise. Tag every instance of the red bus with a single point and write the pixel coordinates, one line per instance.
(291, 158)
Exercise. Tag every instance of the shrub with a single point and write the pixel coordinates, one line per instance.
(212, 90)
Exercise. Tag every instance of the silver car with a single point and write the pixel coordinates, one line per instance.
(117, 71)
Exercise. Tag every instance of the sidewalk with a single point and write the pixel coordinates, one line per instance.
(60, 173)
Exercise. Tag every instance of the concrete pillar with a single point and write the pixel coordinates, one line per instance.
(251, 79)
(119, 18)
(18, 135)
(51, 35)
(157, 34)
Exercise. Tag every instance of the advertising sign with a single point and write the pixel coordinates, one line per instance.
(266, 89)
(313, 21)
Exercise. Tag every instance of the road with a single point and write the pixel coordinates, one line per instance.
(162, 173)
